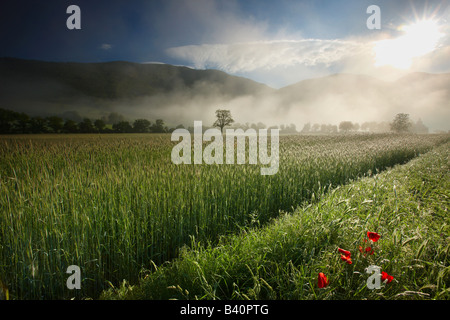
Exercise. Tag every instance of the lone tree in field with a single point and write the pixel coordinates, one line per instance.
(401, 123)
(346, 126)
(223, 119)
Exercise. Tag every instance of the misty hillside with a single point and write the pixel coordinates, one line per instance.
(39, 87)
(118, 79)
(182, 95)
(363, 98)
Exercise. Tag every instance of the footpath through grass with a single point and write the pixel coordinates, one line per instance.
(407, 206)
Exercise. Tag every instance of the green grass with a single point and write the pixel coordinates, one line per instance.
(115, 205)
(407, 205)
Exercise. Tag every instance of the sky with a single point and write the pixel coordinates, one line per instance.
(273, 42)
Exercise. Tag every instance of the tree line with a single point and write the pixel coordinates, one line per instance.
(19, 122)
(401, 123)
(12, 122)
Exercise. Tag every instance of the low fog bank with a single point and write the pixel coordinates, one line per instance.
(181, 96)
(329, 100)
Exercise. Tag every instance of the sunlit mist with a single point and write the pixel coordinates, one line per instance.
(419, 39)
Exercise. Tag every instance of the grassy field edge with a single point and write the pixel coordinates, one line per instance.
(407, 206)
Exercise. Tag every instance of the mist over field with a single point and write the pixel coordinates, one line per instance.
(180, 95)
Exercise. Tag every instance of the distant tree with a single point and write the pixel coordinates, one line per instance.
(315, 127)
(122, 127)
(22, 123)
(223, 119)
(345, 126)
(328, 128)
(306, 128)
(356, 126)
(159, 126)
(70, 126)
(333, 128)
(401, 123)
(258, 126)
(86, 126)
(108, 129)
(38, 125)
(419, 127)
(7, 120)
(14, 122)
(293, 128)
(141, 125)
(290, 128)
(324, 128)
(99, 125)
(365, 126)
(55, 123)
(180, 126)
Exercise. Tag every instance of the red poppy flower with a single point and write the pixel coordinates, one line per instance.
(369, 249)
(366, 250)
(322, 280)
(373, 236)
(385, 276)
(344, 252)
(346, 259)
(345, 256)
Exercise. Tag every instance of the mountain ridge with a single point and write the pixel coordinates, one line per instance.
(156, 77)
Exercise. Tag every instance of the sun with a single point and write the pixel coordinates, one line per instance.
(419, 39)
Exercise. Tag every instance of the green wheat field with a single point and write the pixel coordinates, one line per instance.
(141, 227)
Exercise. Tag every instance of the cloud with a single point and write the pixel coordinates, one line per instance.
(266, 55)
(279, 52)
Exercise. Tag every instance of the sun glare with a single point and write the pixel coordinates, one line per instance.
(418, 39)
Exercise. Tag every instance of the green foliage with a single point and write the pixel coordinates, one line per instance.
(99, 125)
(12, 122)
(159, 126)
(55, 123)
(122, 127)
(141, 125)
(70, 126)
(86, 126)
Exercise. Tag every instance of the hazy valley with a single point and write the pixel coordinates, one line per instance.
(182, 95)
